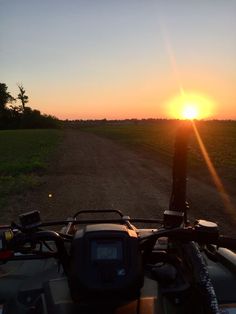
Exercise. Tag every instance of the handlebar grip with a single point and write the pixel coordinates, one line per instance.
(226, 242)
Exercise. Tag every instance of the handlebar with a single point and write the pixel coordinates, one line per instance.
(98, 211)
(10, 241)
(203, 233)
(191, 234)
(36, 237)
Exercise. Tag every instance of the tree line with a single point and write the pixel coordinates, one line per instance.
(15, 115)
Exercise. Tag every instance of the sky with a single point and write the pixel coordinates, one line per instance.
(117, 59)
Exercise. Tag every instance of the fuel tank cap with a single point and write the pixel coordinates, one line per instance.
(206, 225)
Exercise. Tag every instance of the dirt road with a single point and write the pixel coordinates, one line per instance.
(93, 172)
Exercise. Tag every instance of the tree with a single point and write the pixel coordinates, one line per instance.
(5, 97)
(20, 116)
(22, 97)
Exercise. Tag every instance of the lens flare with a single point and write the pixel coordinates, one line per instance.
(229, 207)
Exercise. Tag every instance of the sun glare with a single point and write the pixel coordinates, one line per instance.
(190, 111)
(190, 106)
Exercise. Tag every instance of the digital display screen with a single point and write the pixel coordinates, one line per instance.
(106, 250)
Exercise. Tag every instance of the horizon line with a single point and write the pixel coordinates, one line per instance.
(150, 119)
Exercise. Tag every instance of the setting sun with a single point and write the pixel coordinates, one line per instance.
(190, 111)
(189, 105)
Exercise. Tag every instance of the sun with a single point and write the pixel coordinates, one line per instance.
(190, 105)
(190, 111)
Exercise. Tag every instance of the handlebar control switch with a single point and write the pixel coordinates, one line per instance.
(5, 237)
(30, 220)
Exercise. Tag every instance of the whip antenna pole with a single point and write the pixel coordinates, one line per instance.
(177, 213)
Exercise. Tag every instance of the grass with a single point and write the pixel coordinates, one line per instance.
(157, 141)
(153, 137)
(24, 153)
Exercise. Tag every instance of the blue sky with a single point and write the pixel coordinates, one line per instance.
(105, 58)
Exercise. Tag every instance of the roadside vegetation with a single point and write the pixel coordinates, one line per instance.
(23, 152)
(24, 155)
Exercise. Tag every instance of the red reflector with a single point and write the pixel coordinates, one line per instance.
(5, 255)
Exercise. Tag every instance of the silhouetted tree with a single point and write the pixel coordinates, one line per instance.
(15, 116)
(5, 113)
(32, 119)
(20, 116)
(5, 97)
(22, 97)
(16, 109)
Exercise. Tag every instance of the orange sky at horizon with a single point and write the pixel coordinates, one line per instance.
(137, 99)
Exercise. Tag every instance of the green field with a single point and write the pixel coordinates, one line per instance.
(156, 140)
(23, 154)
